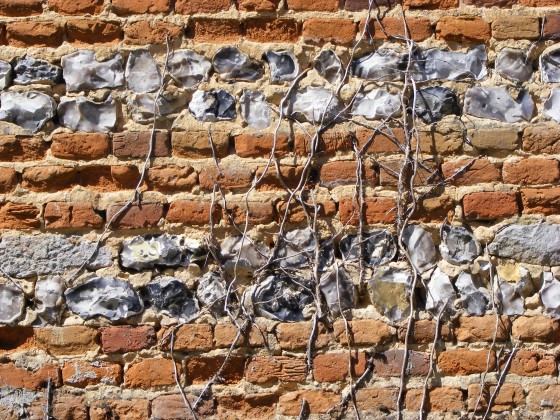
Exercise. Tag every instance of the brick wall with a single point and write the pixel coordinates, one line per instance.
(82, 338)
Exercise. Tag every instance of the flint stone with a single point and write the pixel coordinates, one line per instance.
(550, 66)
(231, 64)
(171, 297)
(458, 245)
(49, 298)
(533, 244)
(149, 251)
(382, 65)
(550, 295)
(282, 298)
(254, 109)
(211, 292)
(283, 65)
(420, 246)
(297, 250)
(551, 106)
(496, 103)
(475, 300)
(433, 64)
(379, 247)
(328, 66)
(514, 64)
(80, 114)
(141, 106)
(188, 67)
(215, 105)
(30, 110)
(5, 74)
(34, 255)
(12, 303)
(30, 70)
(338, 289)
(142, 72)
(82, 71)
(315, 105)
(377, 104)
(109, 297)
(242, 256)
(440, 293)
(510, 300)
(388, 290)
(434, 103)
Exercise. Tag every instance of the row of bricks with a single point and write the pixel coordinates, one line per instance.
(469, 29)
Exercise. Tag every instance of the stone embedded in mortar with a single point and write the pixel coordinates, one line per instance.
(382, 65)
(215, 105)
(388, 290)
(377, 104)
(82, 71)
(231, 65)
(211, 292)
(440, 293)
(280, 297)
(315, 105)
(338, 289)
(328, 66)
(420, 246)
(379, 247)
(33, 255)
(242, 256)
(142, 72)
(49, 298)
(550, 295)
(551, 107)
(5, 74)
(141, 106)
(296, 250)
(533, 244)
(30, 110)
(510, 300)
(81, 114)
(514, 64)
(435, 102)
(433, 64)
(171, 297)
(550, 65)
(109, 297)
(254, 109)
(12, 302)
(188, 68)
(149, 251)
(283, 65)
(496, 103)
(15, 402)
(28, 70)
(458, 245)
(474, 299)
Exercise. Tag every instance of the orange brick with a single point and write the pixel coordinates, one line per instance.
(215, 30)
(542, 138)
(290, 175)
(201, 369)
(431, 4)
(333, 367)
(319, 401)
(463, 29)
(465, 362)
(144, 215)
(18, 216)
(17, 377)
(34, 34)
(363, 332)
(344, 172)
(293, 336)
(171, 178)
(423, 332)
(109, 178)
(224, 335)
(148, 373)
(271, 30)
(337, 31)
(16, 338)
(539, 3)
(260, 144)
(377, 398)
(248, 406)
(543, 397)
(329, 142)
(509, 396)
(76, 7)
(257, 5)
(72, 340)
(531, 363)
(196, 144)
(541, 200)
(192, 7)
(313, 5)
(81, 374)
(491, 3)
(463, 172)
(76, 146)
(126, 338)
(86, 31)
(376, 210)
(418, 28)
(21, 7)
(49, 178)
(8, 180)
(490, 205)
(482, 328)
(439, 399)
(516, 27)
(192, 212)
(136, 144)
(22, 148)
(135, 409)
(143, 32)
(71, 215)
(260, 213)
(536, 329)
(190, 337)
(531, 171)
(232, 176)
(389, 363)
(131, 7)
(265, 369)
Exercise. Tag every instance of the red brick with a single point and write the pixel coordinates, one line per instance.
(16, 377)
(389, 172)
(313, 5)
(126, 338)
(369, 399)
(137, 216)
(135, 409)
(192, 7)
(477, 172)
(61, 215)
(22, 148)
(434, 208)
(65, 407)
(71, 340)
(516, 27)
(490, 205)
(196, 144)
(542, 138)
(21, 7)
(148, 373)
(337, 31)
(541, 200)
(172, 407)
(295, 336)
(539, 3)
(257, 5)
(143, 32)
(531, 171)
(171, 178)
(491, 3)
(81, 374)
(136, 144)
(260, 213)
(201, 369)
(544, 397)
(260, 145)
(473, 329)
(423, 332)
(551, 27)
(333, 367)
(389, 363)
(265, 369)
(8, 180)
(530, 363)
(131, 7)
(34, 34)
(536, 329)
(319, 402)
(296, 213)
(363, 332)
(224, 335)
(384, 141)
(290, 176)
(431, 4)
(509, 396)
(84, 146)
(465, 362)
(192, 212)
(18, 216)
(93, 31)
(343, 172)
(231, 176)
(329, 142)
(463, 29)
(189, 337)
(215, 30)
(271, 30)
(109, 178)
(76, 7)
(249, 406)
(419, 29)
(49, 178)
(16, 338)
(376, 210)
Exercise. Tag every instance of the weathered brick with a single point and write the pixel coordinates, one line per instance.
(192, 212)
(215, 30)
(21, 7)
(16, 338)
(337, 31)
(261, 144)
(536, 329)
(543, 397)
(465, 362)
(143, 32)
(201, 369)
(431, 4)
(191, 337)
(254, 212)
(136, 144)
(319, 402)
(231, 176)
(192, 7)
(363, 332)
(471, 172)
(196, 144)
(18, 216)
(379, 141)
(472, 329)
(170, 178)
(8, 180)
(49, 178)
(93, 31)
(137, 216)
(289, 175)
(313, 5)
(264, 369)
(257, 5)
(22, 148)
(151, 372)
(81, 373)
(376, 210)
(541, 138)
(126, 338)
(357, 5)
(294, 336)
(272, 30)
(377, 398)
(329, 142)
(423, 332)
(249, 406)
(509, 396)
(71, 340)
(34, 34)
(389, 363)
(72, 215)
(551, 27)
(418, 28)
(494, 139)
(434, 208)
(443, 398)
(172, 407)
(491, 3)
(527, 362)
(343, 172)
(109, 178)
(80, 146)
(516, 27)
(64, 407)
(224, 335)
(441, 141)
(17, 377)
(135, 409)
(490, 205)
(131, 7)
(539, 3)
(463, 29)
(541, 200)
(531, 171)
(333, 367)
(296, 213)
(389, 173)
(76, 7)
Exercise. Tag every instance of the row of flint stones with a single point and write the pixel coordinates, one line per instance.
(285, 294)
(82, 71)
